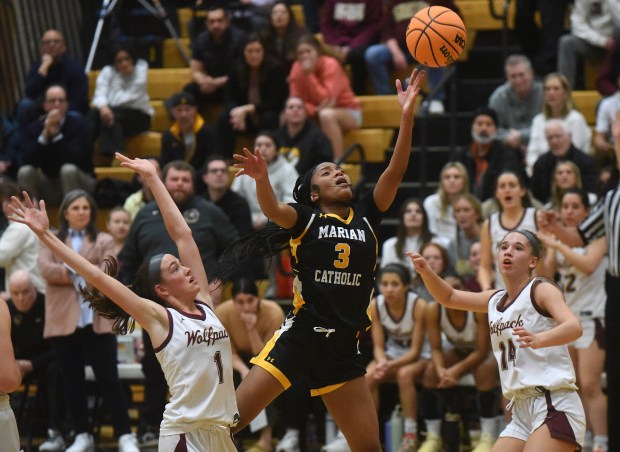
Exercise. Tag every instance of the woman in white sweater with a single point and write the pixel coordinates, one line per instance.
(121, 104)
(558, 104)
(281, 174)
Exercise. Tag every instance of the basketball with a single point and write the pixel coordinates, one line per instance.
(436, 36)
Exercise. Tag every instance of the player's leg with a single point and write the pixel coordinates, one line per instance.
(257, 390)
(541, 440)
(508, 444)
(352, 408)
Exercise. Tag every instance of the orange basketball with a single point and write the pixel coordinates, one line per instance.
(436, 36)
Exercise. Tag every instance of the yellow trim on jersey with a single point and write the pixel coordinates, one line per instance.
(262, 360)
(295, 242)
(326, 389)
(376, 246)
(338, 217)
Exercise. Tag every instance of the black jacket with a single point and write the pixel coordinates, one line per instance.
(498, 159)
(542, 173)
(211, 228)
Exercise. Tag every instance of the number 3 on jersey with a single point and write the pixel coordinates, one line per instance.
(343, 250)
(509, 353)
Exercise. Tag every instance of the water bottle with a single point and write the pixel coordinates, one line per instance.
(330, 428)
(452, 432)
(396, 429)
(388, 437)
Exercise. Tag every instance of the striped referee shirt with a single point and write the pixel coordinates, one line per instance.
(604, 219)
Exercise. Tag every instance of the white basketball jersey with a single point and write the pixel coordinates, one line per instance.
(585, 294)
(398, 331)
(497, 232)
(196, 359)
(522, 368)
(463, 339)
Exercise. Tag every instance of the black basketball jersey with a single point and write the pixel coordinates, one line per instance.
(334, 260)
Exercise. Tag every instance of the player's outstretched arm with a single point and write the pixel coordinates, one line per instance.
(147, 313)
(176, 225)
(447, 295)
(254, 165)
(388, 182)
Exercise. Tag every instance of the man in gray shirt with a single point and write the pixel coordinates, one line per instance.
(517, 102)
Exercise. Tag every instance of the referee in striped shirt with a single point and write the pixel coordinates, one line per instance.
(604, 219)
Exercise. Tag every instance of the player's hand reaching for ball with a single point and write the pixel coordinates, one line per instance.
(408, 96)
(26, 212)
(252, 165)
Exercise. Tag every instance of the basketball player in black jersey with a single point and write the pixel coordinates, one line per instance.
(334, 251)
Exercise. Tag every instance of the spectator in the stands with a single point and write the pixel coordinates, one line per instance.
(312, 17)
(411, 233)
(453, 181)
(302, 142)
(606, 112)
(137, 200)
(55, 156)
(77, 332)
(35, 357)
(392, 52)
(190, 138)
(607, 81)
(592, 23)
(540, 44)
(566, 176)
(486, 156)
(468, 215)
(19, 246)
(349, 27)
(282, 33)
(251, 321)
(561, 148)
(54, 67)
(216, 179)
(281, 174)
(516, 102)
(121, 104)
(213, 53)
(254, 94)
(117, 225)
(322, 83)
(558, 104)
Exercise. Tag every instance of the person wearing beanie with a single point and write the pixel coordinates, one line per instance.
(189, 138)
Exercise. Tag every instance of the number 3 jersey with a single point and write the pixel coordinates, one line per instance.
(522, 368)
(196, 359)
(334, 260)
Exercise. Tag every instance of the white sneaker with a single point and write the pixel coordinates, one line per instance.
(83, 442)
(128, 443)
(53, 443)
(486, 443)
(338, 445)
(433, 443)
(289, 442)
(436, 107)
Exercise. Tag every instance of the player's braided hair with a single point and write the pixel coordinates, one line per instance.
(263, 243)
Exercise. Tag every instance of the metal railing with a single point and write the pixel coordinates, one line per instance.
(503, 16)
(423, 123)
